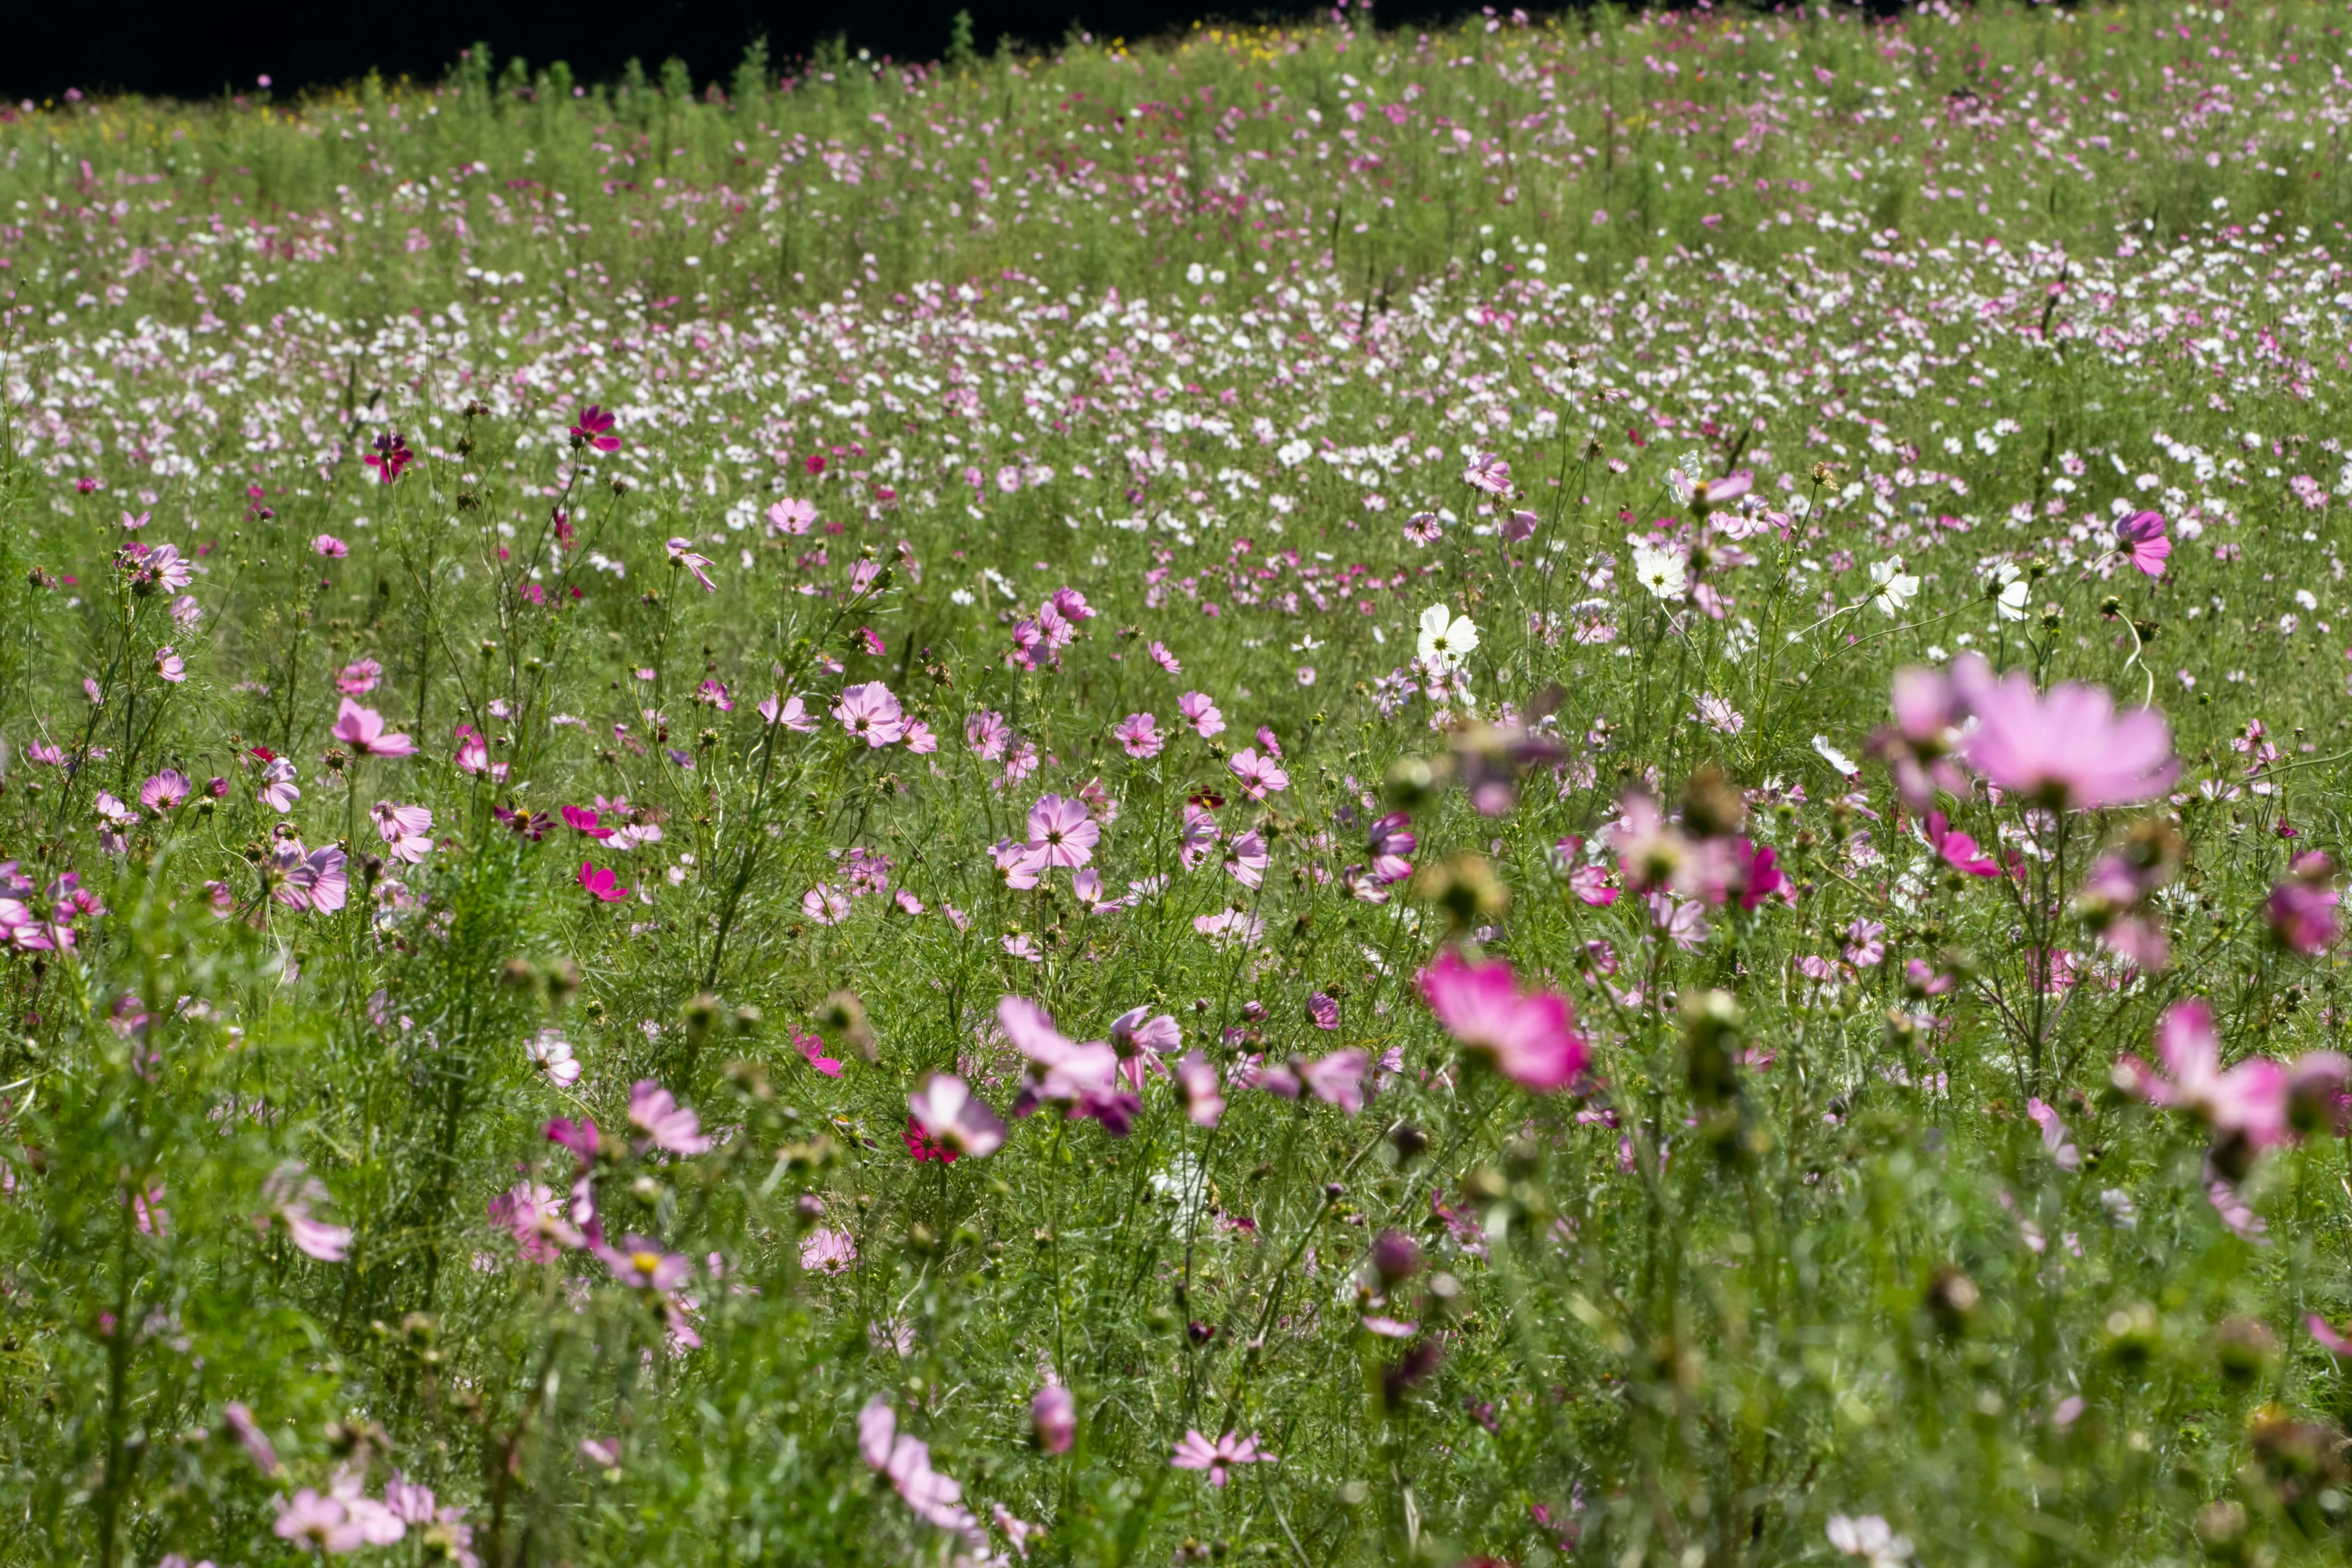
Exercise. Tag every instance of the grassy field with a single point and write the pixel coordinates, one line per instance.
(1563, 791)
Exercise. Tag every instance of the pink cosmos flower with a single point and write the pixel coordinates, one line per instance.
(328, 545)
(1423, 528)
(473, 755)
(662, 1123)
(1020, 865)
(359, 678)
(321, 1523)
(640, 1263)
(1197, 1453)
(987, 733)
(2301, 910)
(1489, 473)
(1202, 714)
(828, 1251)
(1259, 776)
(1247, 859)
(361, 729)
(2068, 747)
(1528, 1036)
(1163, 658)
(170, 665)
(2249, 1098)
(1957, 848)
(906, 1461)
(286, 1197)
(533, 1214)
(682, 554)
(406, 830)
(238, 1417)
(313, 879)
(1710, 493)
(390, 457)
(791, 516)
(1088, 886)
(1061, 832)
(871, 714)
(173, 573)
(789, 711)
(1196, 1088)
(165, 790)
(1336, 1079)
(278, 791)
(1054, 1415)
(584, 819)
(1323, 1011)
(1927, 715)
(1139, 734)
(948, 1110)
(2333, 1342)
(2140, 540)
(1393, 843)
(601, 883)
(2063, 1152)
(592, 431)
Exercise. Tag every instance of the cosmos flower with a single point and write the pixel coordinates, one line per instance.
(1139, 734)
(1061, 832)
(361, 729)
(1446, 640)
(1893, 588)
(682, 554)
(2140, 540)
(390, 457)
(406, 830)
(1197, 1453)
(1054, 1416)
(2249, 1098)
(1529, 1036)
(1259, 776)
(1664, 572)
(946, 1110)
(871, 714)
(2067, 747)
(592, 431)
(1202, 714)
(1489, 473)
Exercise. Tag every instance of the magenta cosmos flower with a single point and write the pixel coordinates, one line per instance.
(391, 456)
(1197, 1453)
(2139, 539)
(871, 714)
(1527, 1037)
(2067, 747)
(361, 729)
(946, 1110)
(595, 430)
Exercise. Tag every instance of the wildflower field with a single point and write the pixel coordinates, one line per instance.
(1569, 790)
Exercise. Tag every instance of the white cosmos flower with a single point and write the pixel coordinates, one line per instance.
(1894, 587)
(1446, 638)
(1835, 758)
(1663, 572)
(2010, 592)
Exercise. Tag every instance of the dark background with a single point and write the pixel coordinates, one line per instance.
(194, 49)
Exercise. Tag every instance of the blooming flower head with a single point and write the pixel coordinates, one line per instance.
(1489, 473)
(277, 791)
(390, 457)
(1061, 832)
(791, 516)
(946, 1108)
(1446, 639)
(2248, 1099)
(359, 678)
(2140, 540)
(1201, 714)
(1197, 1453)
(361, 729)
(1422, 528)
(1139, 734)
(406, 830)
(1528, 1036)
(871, 714)
(169, 666)
(1894, 588)
(2301, 909)
(661, 1122)
(1259, 776)
(2067, 747)
(682, 554)
(328, 545)
(601, 883)
(165, 790)
(1664, 572)
(640, 1263)
(1054, 1417)
(286, 1197)
(594, 430)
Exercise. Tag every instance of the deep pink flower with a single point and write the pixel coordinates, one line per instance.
(361, 729)
(2302, 909)
(584, 819)
(391, 456)
(359, 678)
(1928, 716)
(1529, 1037)
(592, 430)
(1197, 1453)
(2140, 540)
(2067, 747)
(601, 883)
(1957, 848)
(165, 790)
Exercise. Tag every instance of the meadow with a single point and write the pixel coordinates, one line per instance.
(1569, 790)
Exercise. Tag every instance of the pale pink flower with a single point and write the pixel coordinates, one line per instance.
(359, 678)
(662, 1123)
(1163, 658)
(321, 1523)
(1197, 1453)
(792, 515)
(1528, 1036)
(1020, 865)
(328, 545)
(406, 830)
(286, 1197)
(987, 733)
(361, 729)
(681, 554)
(277, 791)
(947, 1108)
(1259, 776)
(170, 665)
(165, 790)
(2249, 1098)
(640, 1263)
(1054, 1417)
(828, 1251)
(1489, 473)
(1202, 714)
(533, 1214)
(2068, 747)
(1196, 1086)
(871, 714)
(1061, 832)
(1139, 734)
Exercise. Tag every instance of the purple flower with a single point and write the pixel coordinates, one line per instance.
(1061, 832)
(681, 555)
(1489, 473)
(1055, 1414)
